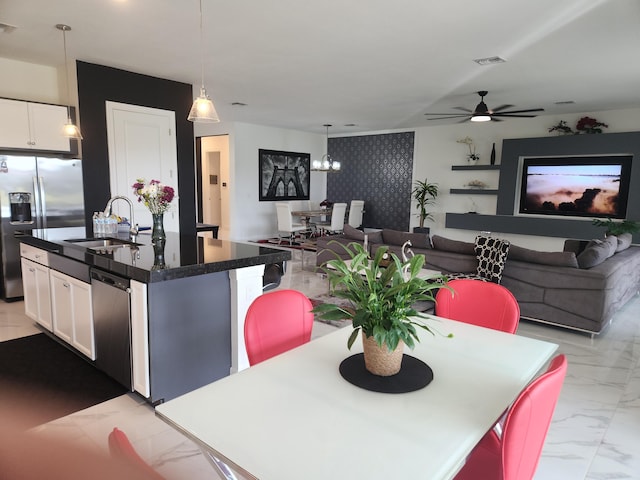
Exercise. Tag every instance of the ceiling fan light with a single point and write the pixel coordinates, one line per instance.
(480, 118)
(202, 110)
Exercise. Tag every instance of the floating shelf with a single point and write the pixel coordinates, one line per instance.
(475, 167)
(473, 191)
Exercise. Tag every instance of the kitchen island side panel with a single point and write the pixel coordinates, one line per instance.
(189, 334)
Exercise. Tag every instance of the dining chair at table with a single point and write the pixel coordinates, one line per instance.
(336, 225)
(485, 304)
(275, 323)
(121, 448)
(286, 224)
(515, 454)
(356, 210)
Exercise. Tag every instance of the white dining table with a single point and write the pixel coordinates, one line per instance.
(295, 417)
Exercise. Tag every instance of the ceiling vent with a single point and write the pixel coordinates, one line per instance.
(489, 60)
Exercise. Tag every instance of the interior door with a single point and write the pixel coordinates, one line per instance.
(142, 144)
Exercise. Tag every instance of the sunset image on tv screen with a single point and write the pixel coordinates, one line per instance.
(577, 189)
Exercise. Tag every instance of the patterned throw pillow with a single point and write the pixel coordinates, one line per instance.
(492, 256)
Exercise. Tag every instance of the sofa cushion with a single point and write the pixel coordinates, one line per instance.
(358, 235)
(556, 259)
(454, 246)
(624, 241)
(597, 251)
(492, 256)
(396, 237)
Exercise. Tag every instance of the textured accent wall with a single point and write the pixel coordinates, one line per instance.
(376, 169)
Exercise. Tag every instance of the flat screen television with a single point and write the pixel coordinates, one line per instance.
(577, 186)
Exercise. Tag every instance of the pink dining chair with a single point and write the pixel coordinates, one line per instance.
(485, 304)
(515, 454)
(276, 322)
(120, 447)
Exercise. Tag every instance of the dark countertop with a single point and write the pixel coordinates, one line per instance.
(184, 256)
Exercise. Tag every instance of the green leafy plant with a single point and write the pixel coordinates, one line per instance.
(617, 228)
(381, 298)
(424, 193)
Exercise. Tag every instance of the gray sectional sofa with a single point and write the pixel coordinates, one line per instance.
(551, 287)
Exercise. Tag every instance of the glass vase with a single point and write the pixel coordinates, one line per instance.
(157, 233)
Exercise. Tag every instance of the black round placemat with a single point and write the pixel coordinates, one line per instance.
(413, 375)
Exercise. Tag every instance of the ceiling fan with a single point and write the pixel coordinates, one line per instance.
(482, 113)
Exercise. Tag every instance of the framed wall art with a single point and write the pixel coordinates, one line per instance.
(283, 175)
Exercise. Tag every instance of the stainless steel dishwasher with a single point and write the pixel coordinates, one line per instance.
(112, 325)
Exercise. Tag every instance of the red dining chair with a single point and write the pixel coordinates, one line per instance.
(515, 454)
(485, 304)
(120, 447)
(276, 322)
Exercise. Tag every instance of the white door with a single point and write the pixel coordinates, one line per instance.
(213, 198)
(142, 144)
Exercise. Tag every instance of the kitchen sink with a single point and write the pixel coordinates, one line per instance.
(102, 243)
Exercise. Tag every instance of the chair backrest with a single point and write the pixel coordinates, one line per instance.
(337, 216)
(285, 222)
(480, 303)
(528, 420)
(355, 213)
(276, 322)
(120, 447)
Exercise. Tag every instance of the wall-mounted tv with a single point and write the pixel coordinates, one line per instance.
(578, 186)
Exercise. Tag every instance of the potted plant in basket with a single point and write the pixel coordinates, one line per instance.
(381, 303)
(424, 193)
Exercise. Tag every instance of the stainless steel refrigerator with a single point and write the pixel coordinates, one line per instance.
(35, 192)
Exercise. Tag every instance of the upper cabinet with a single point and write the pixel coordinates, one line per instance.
(33, 126)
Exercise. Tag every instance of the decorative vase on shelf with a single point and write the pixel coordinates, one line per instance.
(473, 158)
(378, 360)
(157, 233)
(493, 154)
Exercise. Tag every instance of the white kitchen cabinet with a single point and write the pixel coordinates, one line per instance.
(36, 126)
(72, 312)
(140, 338)
(37, 293)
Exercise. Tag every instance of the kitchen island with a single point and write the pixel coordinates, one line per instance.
(188, 300)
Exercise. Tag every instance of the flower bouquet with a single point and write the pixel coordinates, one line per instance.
(156, 196)
(472, 156)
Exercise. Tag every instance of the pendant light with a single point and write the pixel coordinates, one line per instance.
(202, 110)
(70, 130)
(326, 164)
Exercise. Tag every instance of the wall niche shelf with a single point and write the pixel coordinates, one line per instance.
(473, 191)
(475, 167)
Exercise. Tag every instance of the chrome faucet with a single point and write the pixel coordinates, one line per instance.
(133, 231)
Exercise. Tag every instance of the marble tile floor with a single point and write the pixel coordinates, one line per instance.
(595, 433)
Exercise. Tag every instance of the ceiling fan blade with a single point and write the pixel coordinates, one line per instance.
(523, 111)
(501, 107)
(446, 118)
(463, 109)
(509, 115)
(493, 119)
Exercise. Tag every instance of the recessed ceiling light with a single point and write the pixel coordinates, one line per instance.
(350, 125)
(564, 102)
(6, 28)
(238, 104)
(489, 60)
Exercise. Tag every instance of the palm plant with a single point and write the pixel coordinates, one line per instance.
(424, 193)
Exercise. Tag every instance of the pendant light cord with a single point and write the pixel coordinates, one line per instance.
(66, 69)
(201, 48)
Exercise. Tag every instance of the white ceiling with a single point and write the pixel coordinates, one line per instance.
(376, 64)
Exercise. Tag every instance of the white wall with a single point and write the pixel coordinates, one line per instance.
(436, 151)
(250, 219)
(28, 81)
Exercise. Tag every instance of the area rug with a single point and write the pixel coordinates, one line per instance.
(48, 380)
(326, 298)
